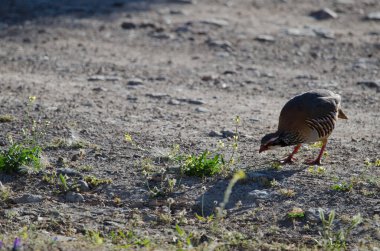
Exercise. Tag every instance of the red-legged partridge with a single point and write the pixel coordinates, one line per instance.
(306, 118)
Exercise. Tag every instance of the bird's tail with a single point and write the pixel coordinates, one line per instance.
(341, 114)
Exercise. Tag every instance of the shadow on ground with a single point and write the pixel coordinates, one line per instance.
(18, 11)
(255, 188)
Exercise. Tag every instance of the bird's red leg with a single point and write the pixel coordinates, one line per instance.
(290, 159)
(317, 161)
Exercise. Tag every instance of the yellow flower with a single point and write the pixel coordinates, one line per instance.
(32, 99)
(128, 137)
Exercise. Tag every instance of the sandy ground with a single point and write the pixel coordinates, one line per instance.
(168, 73)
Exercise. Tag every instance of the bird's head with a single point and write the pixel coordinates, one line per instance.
(271, 141)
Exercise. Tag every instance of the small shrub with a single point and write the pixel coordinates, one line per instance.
(203, 165)
(18, 155)
(342, 187)
(6, 118)
(94, 182)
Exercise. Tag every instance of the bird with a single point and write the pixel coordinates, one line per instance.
(306, 118)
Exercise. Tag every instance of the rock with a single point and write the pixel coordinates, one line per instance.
(99, 89)
(265, 38)
(74, 197)
(300, 32)
(157, 95)
(312, 215)
(259, 194)
(345, 2)
(83, 186)
(103, 78)
(68, 171)
(128, 25)
(201, 110)
(174, 102)
(134, 82)
(215, 22)
(28, 198)
(224, 44)
(324, 14)
(196, 101)
(228, 133)
(372, 84)
(325, 33)
(373, 16)
(215, 134)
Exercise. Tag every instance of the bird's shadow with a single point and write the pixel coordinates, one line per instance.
(257, 186)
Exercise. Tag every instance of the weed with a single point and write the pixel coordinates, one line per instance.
(335, 240)
(287, 192)
(86, 168)
(276, 166)
(207, 219)
(6, 118)
(203, 165)
(342, 187)
(317, 170)
(63, 184)
(5, 193)
(184, 239)
(94, 237)
(94, 182)
(127, 239)
(296, 213)
(17, 155)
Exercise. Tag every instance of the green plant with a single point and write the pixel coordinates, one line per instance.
(335, 240)
(6, 118)
(62, 179)
(342, 187)
(296, 213)
(184, 239)
(17, 155)
(94, 182)
(203, 165)
(95, 237)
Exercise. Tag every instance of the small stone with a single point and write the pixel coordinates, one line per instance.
(74, 197)
(325, 33)
(128, 25)
(312, 215)
(215, 134)
(134, 82)
(201, 110)
(99, 89)
(28, 198)
(300, 32)
(324, 14)
(216, 22)
(372, 84)
(157, 95)
(174, 102)
(265, 38)
(224, 44)
(228, 133)
(259, 194)
(209, 77)
(103, 78)
(373, 16)
(83, 186)
(196, 101)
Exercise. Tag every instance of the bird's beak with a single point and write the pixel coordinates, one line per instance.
(263, 148)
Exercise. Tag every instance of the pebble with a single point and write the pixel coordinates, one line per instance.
(265, 38)
(128, 25)
(201, 110)
(312, 215)
(259, 194)
(157, 95)
(373, 16)
(74, 197)
(324, 14)
(325, 33)
(224, 44)
(134, 82)
(228, 133)
(83, 186)
(196, 101)
(215, 134)
(28, 198)
(174, 102)
(103, 78)
(216, 22)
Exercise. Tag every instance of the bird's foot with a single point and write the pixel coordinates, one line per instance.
(288, 160)
(314, 162)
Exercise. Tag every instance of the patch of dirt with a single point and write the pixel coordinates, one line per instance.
(167, 73)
